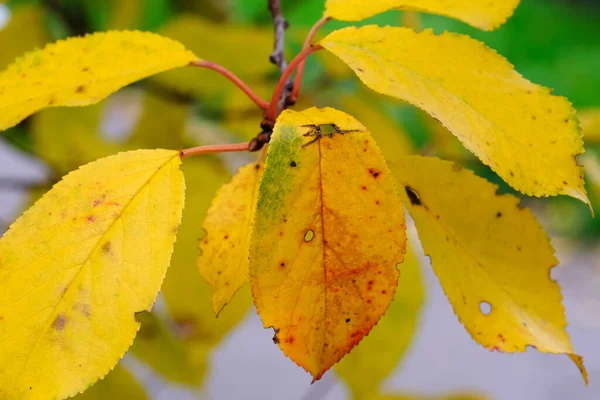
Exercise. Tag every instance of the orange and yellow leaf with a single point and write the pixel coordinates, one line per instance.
(78, 265)
(491, 256)
(526, 135)
(83, 70)
(378, 355)
(328, 234)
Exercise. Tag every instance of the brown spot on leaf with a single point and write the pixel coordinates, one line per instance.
(413, 196)
(59, 322)
(347, 320)
(498, 214)
(80, 89)
(363, 187)
(91, 218)
(293, 164)
(289, 339)
(226, 237)
(106, 247)
(374, 173)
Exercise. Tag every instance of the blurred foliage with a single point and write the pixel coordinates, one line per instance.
(551, 42)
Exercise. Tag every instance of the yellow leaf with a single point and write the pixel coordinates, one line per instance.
(492, 257)
(242, 43)
(486, 15)
(83, 70)
(186, 293)
(590, 124)
(223, 261)
(119, 384)
(329, 231)
(24, 32)
(526, 135)
(365, 368)
(78, 265)
(167, 354)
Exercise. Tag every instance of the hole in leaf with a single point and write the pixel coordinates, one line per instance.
(485, 308)
(309, 235)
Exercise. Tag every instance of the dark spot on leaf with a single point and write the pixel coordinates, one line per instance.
(374, 173)
(498, 214)
(226, 237)
(282, 264)
(80, 89)
(347, 320)
(293, 164)
(91, 218)
(413, 196)
(360, 69)
(290, 339)
(106, 248)
(59, 322)
(363, 187)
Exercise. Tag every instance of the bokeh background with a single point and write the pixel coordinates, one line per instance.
(182, 352)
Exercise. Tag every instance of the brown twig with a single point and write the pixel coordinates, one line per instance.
(233, 78)
(273, 110)
(300, 71)
(216, 148)
(278, 55)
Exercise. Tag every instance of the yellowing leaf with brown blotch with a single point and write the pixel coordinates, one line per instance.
(78, 265)
(366, 367)
(119, 384)
(186, 293)
(328, 234)
(526, 135)
(223, 261)
(492, 257)
(83, 70)
(486, 15)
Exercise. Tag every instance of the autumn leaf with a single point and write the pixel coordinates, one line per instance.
(224, 250)
(83, 70)
(119, 384)
(366, 367)
(328, 234)
(186, 294)
(78, 265)
(526, 135)
(486, 15)
(492, 257)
